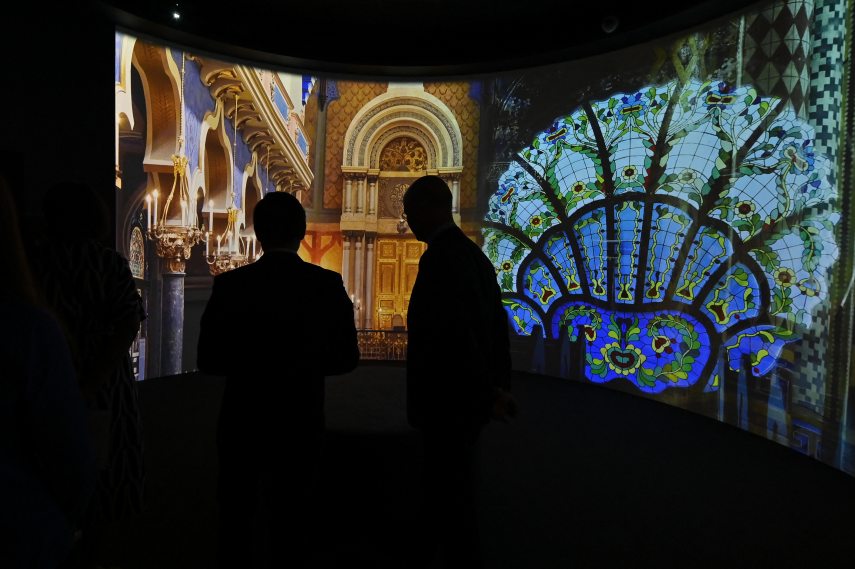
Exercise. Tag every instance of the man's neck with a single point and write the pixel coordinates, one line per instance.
(280, 250)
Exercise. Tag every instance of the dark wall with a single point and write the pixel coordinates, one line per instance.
(57, 101)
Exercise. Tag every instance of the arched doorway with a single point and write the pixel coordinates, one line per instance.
(396, 138)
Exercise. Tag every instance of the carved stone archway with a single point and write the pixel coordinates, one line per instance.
(397, 137)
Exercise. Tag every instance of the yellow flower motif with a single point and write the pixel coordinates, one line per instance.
(688, 176)
(622, 360)
(744, 208)
(507, 266)
(785, 276)
(629, 174)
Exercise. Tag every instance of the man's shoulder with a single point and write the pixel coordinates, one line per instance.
(255, 270)
(320, 273)
(231, 277)
(455, 246)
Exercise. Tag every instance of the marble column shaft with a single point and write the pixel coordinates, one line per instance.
(368, 303)
(345, 262)
(172, 317)
(359, 262)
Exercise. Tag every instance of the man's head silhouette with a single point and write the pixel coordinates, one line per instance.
(427, 206)
(280, 221)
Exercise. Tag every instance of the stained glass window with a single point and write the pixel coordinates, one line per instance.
(673, 228)
(136, 259)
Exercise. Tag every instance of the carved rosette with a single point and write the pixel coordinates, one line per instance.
(403, 154)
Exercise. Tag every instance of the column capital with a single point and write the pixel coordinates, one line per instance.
(174, 266)
(353, 173)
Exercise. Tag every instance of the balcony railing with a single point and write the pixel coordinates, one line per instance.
(382, 345)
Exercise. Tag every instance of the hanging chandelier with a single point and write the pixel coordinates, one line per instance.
(233, 249)
(175, 227)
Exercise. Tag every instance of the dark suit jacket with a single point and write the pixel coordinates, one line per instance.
(458, 349)
(275, 328)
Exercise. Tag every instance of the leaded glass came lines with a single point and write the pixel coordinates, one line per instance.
(672, 228)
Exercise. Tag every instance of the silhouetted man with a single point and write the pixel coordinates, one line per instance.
(275, 327)
(458, 366)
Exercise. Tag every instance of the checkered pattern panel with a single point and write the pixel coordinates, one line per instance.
(776, 51)
(826, 77)
(824, 108)
(811, 358)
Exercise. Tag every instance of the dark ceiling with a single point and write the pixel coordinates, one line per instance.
(412, 37)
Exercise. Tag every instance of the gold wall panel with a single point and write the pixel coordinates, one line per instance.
(386, 249)
(396, 271)
(387, 280)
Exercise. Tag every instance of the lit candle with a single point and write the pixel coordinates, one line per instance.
(155, 207)
(210, 215)
(208, 244)
(148, 210)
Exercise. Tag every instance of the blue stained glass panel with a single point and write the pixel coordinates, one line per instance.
(590, 231)
(668, 229)
(560, 252)
(539, 284)
(653, 350)
(523, 317)
(508, 253)
(629, 218)
(734, 298)
(710, 248)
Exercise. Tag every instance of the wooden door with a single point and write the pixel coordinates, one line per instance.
(395, 273)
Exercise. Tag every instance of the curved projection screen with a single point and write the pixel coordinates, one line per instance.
(667, 220)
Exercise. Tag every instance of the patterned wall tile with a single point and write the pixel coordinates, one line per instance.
(467, 113)
(340, 113)
(776, 51)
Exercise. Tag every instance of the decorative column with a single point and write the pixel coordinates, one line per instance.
(348, 195)
(372, 196)
(368, 300)
(360, 195)
(172, 317)
(175, 229)
(359, 262)
(345, 260)
(455, 194)
(316, 197)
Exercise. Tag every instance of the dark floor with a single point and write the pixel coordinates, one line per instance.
(585, 477)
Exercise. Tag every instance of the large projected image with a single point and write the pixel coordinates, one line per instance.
(670, 220)
(675, 228)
